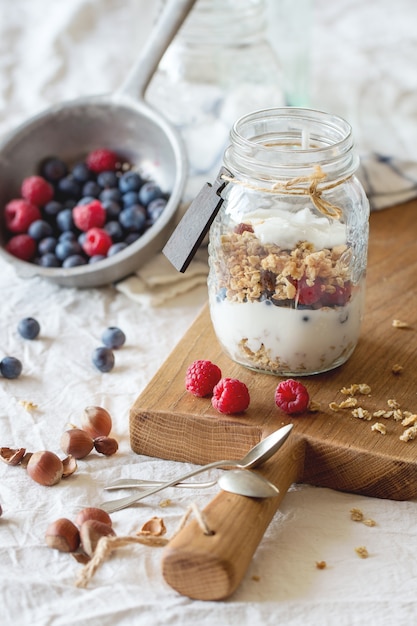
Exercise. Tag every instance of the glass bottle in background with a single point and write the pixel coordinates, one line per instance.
(220, 66)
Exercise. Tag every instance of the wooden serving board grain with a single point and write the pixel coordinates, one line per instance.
(332, 449)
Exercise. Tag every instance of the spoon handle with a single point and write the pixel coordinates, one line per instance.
(132, 483)
(122, 503)
(210, 567)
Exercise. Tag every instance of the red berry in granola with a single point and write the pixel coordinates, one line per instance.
(96, 242)
(102, 160)
(37, 190)
(19, 215)
(308, 294)
(339, 297)
(22, 246)
(291, 396)
(230, 395)
(201, 377)
(242, 227)
(89, 215)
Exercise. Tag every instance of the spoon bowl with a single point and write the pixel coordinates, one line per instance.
(257, 455)
(122, 122)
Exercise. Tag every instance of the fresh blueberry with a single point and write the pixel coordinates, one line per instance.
(64, 220)
(47, 245)
(66, 248)
(10, 367)
(81, 173)
(107, 180)
(148, 192)
(155, 208)
(130, 181)
(116, 247)
(53, 169)
(115, 230)
(133, 218)
(113, 337)
(69, 187)
(52, 208)
(95, 258)
(49, 260)
(86, 200)
(103, 359)
(130, 198)
(74, 260)
(112, 209)
(28, 328)
(70, 203)
(91, 188)
(67, 235)
(81, 239)
(110, 195)
(39, 229)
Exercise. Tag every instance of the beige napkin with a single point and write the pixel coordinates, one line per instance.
(158, 281)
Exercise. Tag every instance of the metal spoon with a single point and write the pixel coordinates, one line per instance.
(234, 481)
(122, 121)
(256, 455)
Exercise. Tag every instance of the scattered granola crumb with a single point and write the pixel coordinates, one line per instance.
(333, 406)
(409, 433)
(362, 552)
(356, 515)
(400, 324)
(348, 403)
(397, 369)
(321, 564)
(369, 522)
(164, 503)
(27, 405)
(379, 428)
(362, 414)
(313, 407)
(393, 404)
(382, 413)
(256, 578)
(361, 388)
(410, 419)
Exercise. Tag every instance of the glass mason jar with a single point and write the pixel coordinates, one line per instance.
(219, 67)
(288, 247)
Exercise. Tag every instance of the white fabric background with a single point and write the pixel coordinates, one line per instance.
(364, 67)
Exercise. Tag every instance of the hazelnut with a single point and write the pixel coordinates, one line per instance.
(92, 513)
(91, 532)
(63, 535)
(106, 445)
(96, 421)
(45, 468)
(77, 443)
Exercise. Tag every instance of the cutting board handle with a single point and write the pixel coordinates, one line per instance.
(211, 566)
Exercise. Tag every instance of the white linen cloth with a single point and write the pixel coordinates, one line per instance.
(363, 67)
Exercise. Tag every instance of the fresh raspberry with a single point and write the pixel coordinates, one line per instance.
(102, 160)
(201, 378)
(230, 396)
(97, 241)
(242, 227)
(19, 215)
(291, 396)
(22, 246)
(308, 294)
(37, 190)
(89, 215)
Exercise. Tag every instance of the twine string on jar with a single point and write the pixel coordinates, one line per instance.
(311, 186)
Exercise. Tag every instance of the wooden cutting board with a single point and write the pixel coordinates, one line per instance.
(326, 448)
(338, 450)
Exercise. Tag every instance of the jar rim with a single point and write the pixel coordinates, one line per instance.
(287, 141)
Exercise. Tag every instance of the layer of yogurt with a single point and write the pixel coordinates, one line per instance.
(285, 226)
(302, 340)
